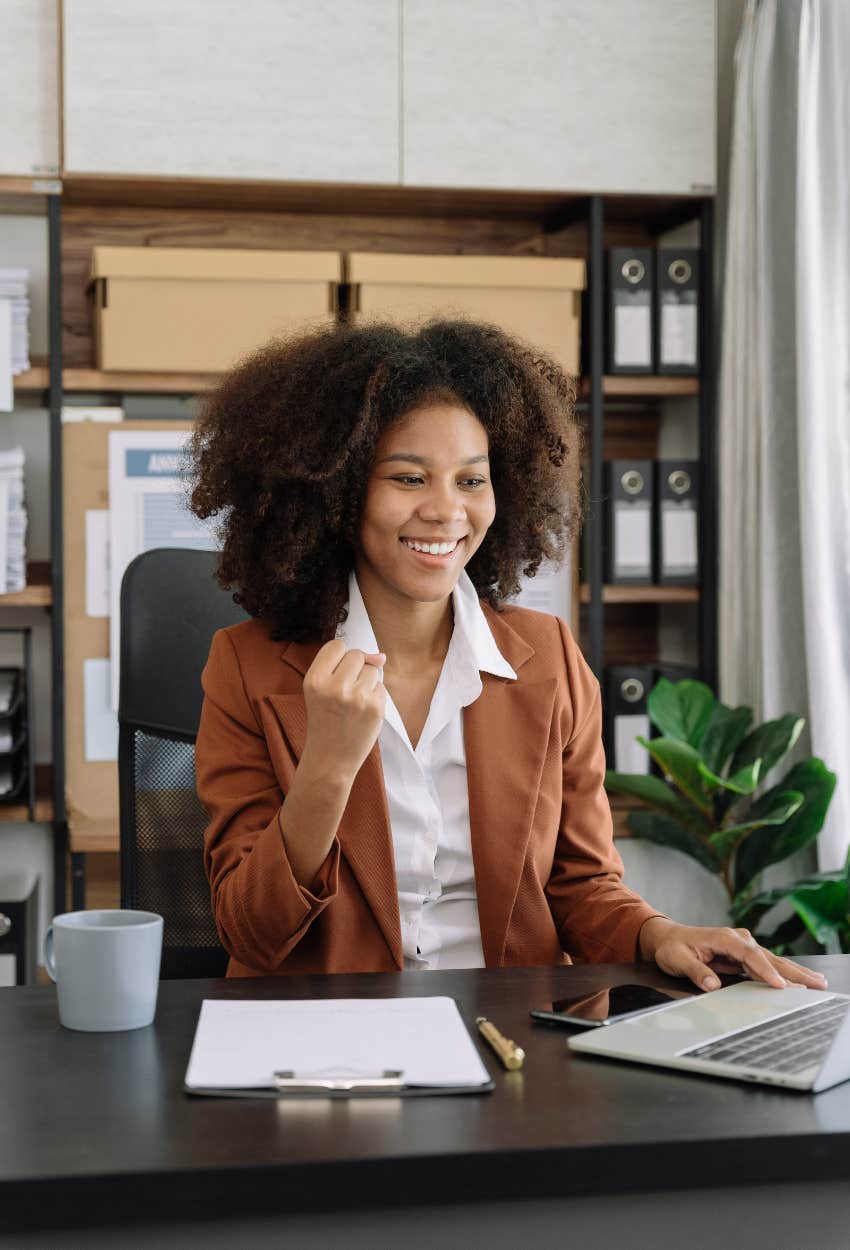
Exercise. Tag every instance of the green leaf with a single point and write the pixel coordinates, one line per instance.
(682, 764)
(658, 795)
(825, 911)
(663, 831)
(770, 845)
(742, 782)
(780, 808)
(727, 727)
(681, 710)
(745, 908)
(769, 743)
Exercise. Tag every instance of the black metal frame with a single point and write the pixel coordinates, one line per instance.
(703, 209)
(60, 821)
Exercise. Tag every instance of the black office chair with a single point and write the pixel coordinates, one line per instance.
(171, 606)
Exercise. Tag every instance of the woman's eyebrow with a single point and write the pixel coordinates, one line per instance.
(404, 455)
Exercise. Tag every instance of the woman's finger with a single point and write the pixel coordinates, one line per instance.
(797, 974)
(368, 678)
(741, 945)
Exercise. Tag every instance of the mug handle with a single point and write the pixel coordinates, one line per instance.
(49, 959)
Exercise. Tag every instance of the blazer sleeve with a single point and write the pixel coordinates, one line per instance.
(598, 918)
(261, 911)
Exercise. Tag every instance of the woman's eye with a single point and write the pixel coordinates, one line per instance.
(474, 482)
(408, 479)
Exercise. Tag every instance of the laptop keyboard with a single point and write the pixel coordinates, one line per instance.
(793, 1043)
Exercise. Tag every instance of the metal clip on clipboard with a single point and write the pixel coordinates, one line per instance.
(289, 1082)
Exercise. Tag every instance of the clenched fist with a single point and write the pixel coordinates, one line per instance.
(345, 699)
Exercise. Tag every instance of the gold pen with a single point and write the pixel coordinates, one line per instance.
(509, 1053)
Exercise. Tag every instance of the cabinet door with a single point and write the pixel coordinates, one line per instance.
(303, 90)
(29, 104)
(584, 95)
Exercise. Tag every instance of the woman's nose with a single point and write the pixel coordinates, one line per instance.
(442, 504)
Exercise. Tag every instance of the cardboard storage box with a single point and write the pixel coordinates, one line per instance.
(536, 298)
(198, 310)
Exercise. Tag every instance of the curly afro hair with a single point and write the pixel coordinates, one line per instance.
(283, 450)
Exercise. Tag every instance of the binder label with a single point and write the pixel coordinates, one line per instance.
(633, 540)
(679, 329)
(678, 539)
(629, 755)
(633, 332)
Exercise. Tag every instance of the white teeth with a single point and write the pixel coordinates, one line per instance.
(434, 549)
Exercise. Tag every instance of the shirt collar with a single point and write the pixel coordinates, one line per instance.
(471, 633)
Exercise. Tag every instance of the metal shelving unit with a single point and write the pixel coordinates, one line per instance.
(595, 389)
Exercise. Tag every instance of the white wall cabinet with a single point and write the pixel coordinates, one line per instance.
(302, 90)
(29, 73)
(580, 95)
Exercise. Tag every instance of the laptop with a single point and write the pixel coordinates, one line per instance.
(793, 1037)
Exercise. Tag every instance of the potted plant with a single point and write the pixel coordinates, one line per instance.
(710, 803)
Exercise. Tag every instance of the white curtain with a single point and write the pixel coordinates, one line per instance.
(784, 396)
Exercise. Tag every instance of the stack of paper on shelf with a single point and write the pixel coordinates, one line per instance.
(14, 331)
(13, 521)
(14, 289)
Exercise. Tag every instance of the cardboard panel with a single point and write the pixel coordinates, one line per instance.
(91, 786)
(188, 310)
(537, 300)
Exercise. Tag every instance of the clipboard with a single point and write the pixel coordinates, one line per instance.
(333, 1048)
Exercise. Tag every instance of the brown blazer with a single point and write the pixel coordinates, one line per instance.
(548, 877)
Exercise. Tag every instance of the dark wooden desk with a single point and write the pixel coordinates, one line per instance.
(96, 1128)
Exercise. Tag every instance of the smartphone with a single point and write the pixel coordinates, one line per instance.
(592, 1011)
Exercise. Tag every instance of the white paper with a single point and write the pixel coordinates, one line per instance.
(73, 412)
(630, 756)
(97, 562)
(7, 390)
(240, 1044)
(101, 722)
(679, 539)
(148, 508)
(4, 533)
(679, 333)
(549, 591)
(632, 540)
(633, 334)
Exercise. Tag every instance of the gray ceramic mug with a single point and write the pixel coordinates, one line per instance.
(106, 968)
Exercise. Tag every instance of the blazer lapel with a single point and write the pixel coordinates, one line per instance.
(506, 734)
(364, 831)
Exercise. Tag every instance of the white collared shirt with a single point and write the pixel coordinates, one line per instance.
(427, 792)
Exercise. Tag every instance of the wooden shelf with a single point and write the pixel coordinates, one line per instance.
(26, 196)
(162, 383)
(96, 380)
(643, 594)
(93, 836)
(38, 592)
(643, 387)
(37, 378)
(620, 808)
(18, 811)
(657, 212)
(99, 380)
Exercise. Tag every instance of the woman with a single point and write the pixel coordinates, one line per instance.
(399, 769)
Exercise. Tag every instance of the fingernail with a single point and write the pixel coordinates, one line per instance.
(710, 983)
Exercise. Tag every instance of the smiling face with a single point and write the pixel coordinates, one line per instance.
(429, 503)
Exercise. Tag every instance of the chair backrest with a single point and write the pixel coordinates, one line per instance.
(171, 606)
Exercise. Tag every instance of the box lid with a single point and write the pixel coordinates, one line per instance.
(200, 263)
(505, 271)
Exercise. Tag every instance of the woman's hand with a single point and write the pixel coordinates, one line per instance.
(345, 700)
(687, 950)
